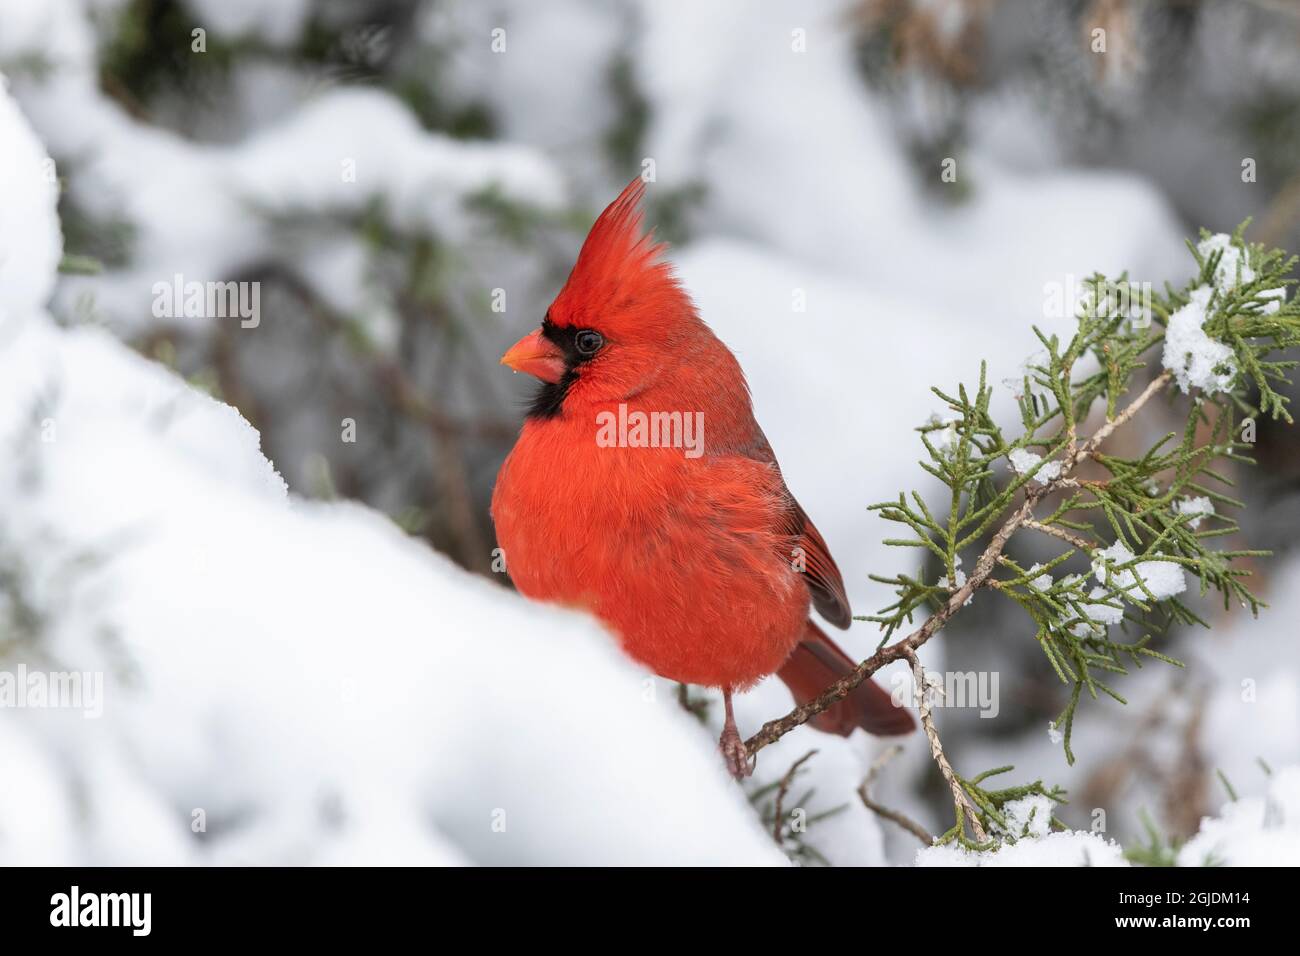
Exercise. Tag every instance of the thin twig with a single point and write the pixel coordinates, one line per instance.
(1055, 532)
(774, 730)
(960, 799)
(1104, 432)
(864, 792)
(782, 790)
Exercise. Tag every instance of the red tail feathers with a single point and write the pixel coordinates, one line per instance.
(816, 664)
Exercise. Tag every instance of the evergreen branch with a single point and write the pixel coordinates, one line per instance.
(774, 730)
(1214, 339)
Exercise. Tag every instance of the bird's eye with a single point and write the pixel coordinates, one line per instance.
(588, 342)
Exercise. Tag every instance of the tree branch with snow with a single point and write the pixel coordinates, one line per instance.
(1134, 527)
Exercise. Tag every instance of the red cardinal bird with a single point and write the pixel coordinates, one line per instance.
(681, 536)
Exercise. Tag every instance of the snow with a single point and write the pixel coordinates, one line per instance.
(1233, 265)
(944, 439)
(1100, 610)
(1201, 507)
(1029, 816)
(1275, 299)
(273, 21)
(1044, 581)
(1024, 462)
(305, 162)
(1197, 360)
(1163, 579)
(1055, 849)
(958, 580)
(341, 151)
(34, 807)
(1251, 680)
(30, 242)
(567, 120)
(1027, 371)
(1253, 830)
(261, 707)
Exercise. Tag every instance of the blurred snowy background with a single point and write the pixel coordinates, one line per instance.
(271, 536)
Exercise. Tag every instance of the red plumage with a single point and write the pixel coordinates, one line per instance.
(691, 560)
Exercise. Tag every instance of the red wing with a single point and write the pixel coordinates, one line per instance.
(820, 571)
(822, 575)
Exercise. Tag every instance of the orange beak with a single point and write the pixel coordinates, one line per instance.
(537, 356)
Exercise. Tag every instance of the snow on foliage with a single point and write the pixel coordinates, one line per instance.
(1197, 360)
(340, 151)
(1161, 579)
(1274, 298)
(1024, 462)
(1199, 507)
(1044, 581)
(1101, 612)
(1233, 267)
(1251, 831)
(1029, 816)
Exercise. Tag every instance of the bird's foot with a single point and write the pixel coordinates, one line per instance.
(734, 753)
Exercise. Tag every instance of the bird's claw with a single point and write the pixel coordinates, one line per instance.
(733, 752)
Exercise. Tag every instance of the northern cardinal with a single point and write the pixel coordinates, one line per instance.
(697, 557)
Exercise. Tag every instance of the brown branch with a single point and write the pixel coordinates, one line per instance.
(960, 799)
(907, 823)
(784, 788)
(1104, 432)
(774, 730)
(1061, 533)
